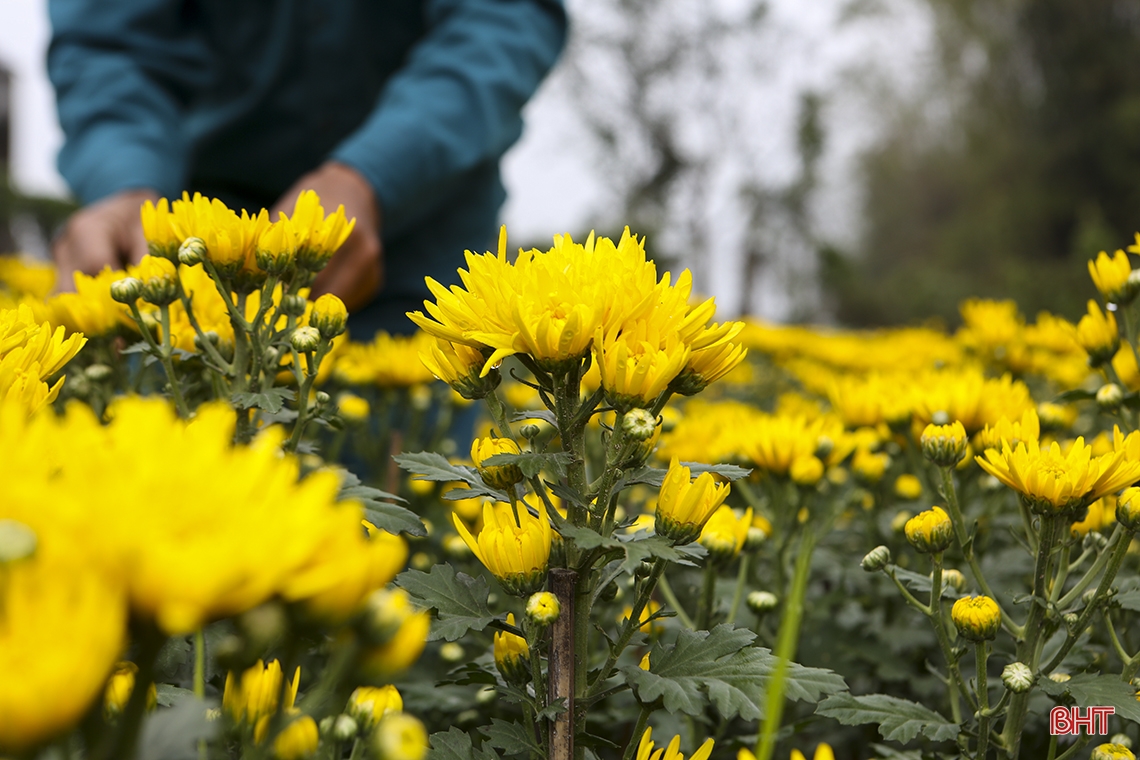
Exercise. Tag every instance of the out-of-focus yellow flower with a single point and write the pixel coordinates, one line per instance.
(1128, 508)
(907, 486)
(724, 533)
(63, 626)
(645, 749)
(161, 239)
(90, 309)
(230, 240)
(30, 353)
(389, 361)
(710, 432)
(401, 629)
(931, 531)
(870, 466)
(966, 395)
(778, 441)
(1051, 481)
(1110, 276)
(459, 366)
(298, 740)
(1098, 334)
(1101, 516)
(512, 655)
(400, 737)
(944, 445)
(684, 506)
(517, 553)
(1005, 431)
(256, 695)
(503, 476)
(822, 752)
(26, 278)
(119, 688)
(368, 704)
(1124, 363)
(353, 408)
(806, 471)
(977, 618)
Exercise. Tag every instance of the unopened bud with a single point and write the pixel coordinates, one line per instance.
(754, 539)
(1122, 739)
(876, 559)
(17, 541)
(400, 736)
(329, 316)
(305, 339)
(954, 579)
(271, 358)
(1109, 396)
(543, 608)
(127, 290)
(639, 424)
(529, 431)
(452, 652)
(977, 618)
(293, 305)
(931, 531)
(323, 398)
(192, 251)
(1128, 508)
(98, 372)
(1070, 619)
(944, 445)
(344, 728)
(1017, 677)
(762, 601)
(264, 625)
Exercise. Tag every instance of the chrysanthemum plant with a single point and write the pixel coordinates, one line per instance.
(605, 344)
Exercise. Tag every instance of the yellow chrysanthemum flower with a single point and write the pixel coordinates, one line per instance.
(930, 531)
(645, 750)
(368, 704)
(62, 627)
(724, 533)
(977, 618)
(1051, 481)
(1110, 276)
(23, 277)
(1027, 428)
(708, 365)
(638, 364)
(512, 655)
(1111, 752)
(30, 353)
(400, 737)
(907, 486)
(777, 441)
(161, 238)
(944, 445)
(297, 741)
(503, 476)
(1100, 517)
(517, 553)
(389, 361)
(257, 694)
(403, 629)
(1098, 334)
(90, 309)
(318, 236)
(684, 506)
(119, 688)
(230, 240)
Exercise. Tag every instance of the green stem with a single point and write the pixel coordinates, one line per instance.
(786, 645)
(200, 679)
(741, 582)
(671, 598)
(983, 701)
(125, 740)
(638, 730)
(312, 365)
(938, 620)
(1094, 570)
(1077, 747)
(631, 625)
(708, 592)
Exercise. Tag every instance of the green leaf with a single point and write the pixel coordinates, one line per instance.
(532, 464)
(721, 667)
(512, 738)
(552, 710)
(651, 476)
(1129, 600)
(536, 414)
(378, 507)
(1077, 394)
(459, 600)
(428, 465)
(271, 400)
(922, 583)
(1089, 690)
(637, 548)
(456, 745)
(898, 719)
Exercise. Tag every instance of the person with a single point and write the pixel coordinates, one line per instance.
(399, 110)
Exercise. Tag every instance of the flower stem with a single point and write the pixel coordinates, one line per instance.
(708, 592)
(786, 645)
(150, 641)
(638, 730)
(741, 582)
(983, 701)
(671, 598)
(200, 679)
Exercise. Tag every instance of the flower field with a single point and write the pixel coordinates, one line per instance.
(230, 530)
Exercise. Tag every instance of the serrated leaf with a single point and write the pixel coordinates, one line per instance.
(537, 414)
(552, 710)
(454, 744)
(531, 464)
(140, 347)
(651, 476)
(1091, 690)
(511, 738)
(379, 508)
(898, 720)
(637, 548)
(721, 666)
(459, 600)
(271, 400)
(1129, 600)
(428, 465)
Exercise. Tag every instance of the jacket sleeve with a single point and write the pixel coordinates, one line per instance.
(456, 103)
(123, 72)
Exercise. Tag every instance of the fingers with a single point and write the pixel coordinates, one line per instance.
(354, 274)
(86, 245)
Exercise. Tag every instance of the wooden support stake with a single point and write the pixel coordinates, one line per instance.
(563, 583)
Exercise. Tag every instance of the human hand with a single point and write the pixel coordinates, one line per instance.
(356, 271)
(106, 233)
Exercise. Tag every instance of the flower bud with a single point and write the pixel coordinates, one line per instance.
(876, 559)
(543, 608)
(512, 656)
(293, 305)
(305, 339)
(98, 372)
(322, 397)
(1128, 508)
(762, 601)
(1109, 396)
(451, 652)
(1060, 677)
(329, 316)
(192, 251)
(264, 625)
(930, 532)
(496, 476)
(1017, 677)
(868, 466)
(977, 618)
(159, 281)
(399, 736)
(298, 740)
(270, 358)
(17, 542)
(944, 445)
(754, 539)
(127, 290)
(639, 424)
(1122, 739)
(954, 579)
(530, 431)
(344, 728)
(369, 704)
(1070, 619)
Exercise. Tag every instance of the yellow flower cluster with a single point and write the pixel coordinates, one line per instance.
(556, 306)
(389, 361)
(30, 353)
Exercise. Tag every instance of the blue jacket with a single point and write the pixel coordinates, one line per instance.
(239, 98)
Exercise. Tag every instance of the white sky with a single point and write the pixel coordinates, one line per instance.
(551, 176)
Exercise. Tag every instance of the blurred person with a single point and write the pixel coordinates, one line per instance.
(399, 110)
